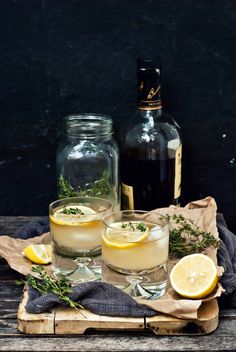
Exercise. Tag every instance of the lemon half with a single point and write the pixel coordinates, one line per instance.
(194, 276)
(38, 253)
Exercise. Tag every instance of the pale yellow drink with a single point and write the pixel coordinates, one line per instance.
(75, 226)
(76, 232)
(135, 246)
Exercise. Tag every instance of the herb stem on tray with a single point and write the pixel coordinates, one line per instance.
(187, 238)
(46, 283)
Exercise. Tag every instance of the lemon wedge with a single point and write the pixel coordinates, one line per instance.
(124, 235)
(194, 276)
(38, 253)
(61, 218)
(49, 250)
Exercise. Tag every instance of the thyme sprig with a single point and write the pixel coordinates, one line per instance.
(65, 189)
(186, 237)
(141, 227)
(101, 187)
(130, 226)
(73, 211)
(98, 188)
(46, 283)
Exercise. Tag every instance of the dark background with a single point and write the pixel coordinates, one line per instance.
(64, 56)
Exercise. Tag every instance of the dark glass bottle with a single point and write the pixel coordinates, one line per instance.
(151, 148)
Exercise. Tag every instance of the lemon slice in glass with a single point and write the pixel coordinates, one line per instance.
(38, 253)
(62, 218)
(194, 276)
(124, 235)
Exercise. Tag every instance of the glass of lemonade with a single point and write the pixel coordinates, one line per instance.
(135, 248)
(75, 226)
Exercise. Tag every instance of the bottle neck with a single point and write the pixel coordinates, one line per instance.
(149, 89)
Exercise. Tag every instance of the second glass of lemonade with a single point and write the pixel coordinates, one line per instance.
(135, 248)
(75, 225)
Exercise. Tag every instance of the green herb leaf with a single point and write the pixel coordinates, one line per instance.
(46, 283)
(19, 282)
(141, 227)
(130, 226)
(101, 187)
(187, 238)
(74, 211)
(65, 190)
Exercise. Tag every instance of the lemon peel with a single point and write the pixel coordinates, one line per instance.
(38, 253)
(194, 276)
(60, 218)
(118, 236)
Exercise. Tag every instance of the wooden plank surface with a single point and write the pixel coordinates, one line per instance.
(40, 323)
(130, 342)
(10, 224)
(70, 321)
(208, 317)
(223, 339)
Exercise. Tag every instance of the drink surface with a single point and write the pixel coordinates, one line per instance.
(76, 232)
(135, 246)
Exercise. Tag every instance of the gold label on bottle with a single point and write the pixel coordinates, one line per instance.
(149, 97)
(127, 196)
(178, 172)
(149, 89)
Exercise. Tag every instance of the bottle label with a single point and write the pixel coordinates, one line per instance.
(149, 90)
(127, 196)
(178, 172)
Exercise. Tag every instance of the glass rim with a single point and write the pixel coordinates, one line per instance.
(89, 125)
(88, 116)
(102, 200)
(135, 212)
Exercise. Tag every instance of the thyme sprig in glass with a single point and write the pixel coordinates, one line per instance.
(186, 237)
(72, 211)
(130, 226)
(101, 187)
(65, 189)
(46, 283)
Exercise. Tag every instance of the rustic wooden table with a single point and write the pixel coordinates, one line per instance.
(223, 339)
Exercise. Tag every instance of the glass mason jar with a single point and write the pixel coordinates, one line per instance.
(87, 158)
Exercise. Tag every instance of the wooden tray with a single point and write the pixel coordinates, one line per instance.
(69, 321)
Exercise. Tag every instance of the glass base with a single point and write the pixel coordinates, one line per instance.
(145, 284)
(78, 270)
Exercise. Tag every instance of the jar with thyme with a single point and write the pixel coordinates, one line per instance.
(87, 158)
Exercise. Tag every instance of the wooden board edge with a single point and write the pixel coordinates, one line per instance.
(207, 322)
(34, 323)
(70, 321)
(184, 327)
(61, 321)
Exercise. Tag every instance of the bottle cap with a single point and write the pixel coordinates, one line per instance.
(148, 63)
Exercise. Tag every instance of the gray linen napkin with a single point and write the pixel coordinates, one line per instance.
(102, 298)
(226, 256)
(98, 297)
(33, 228)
